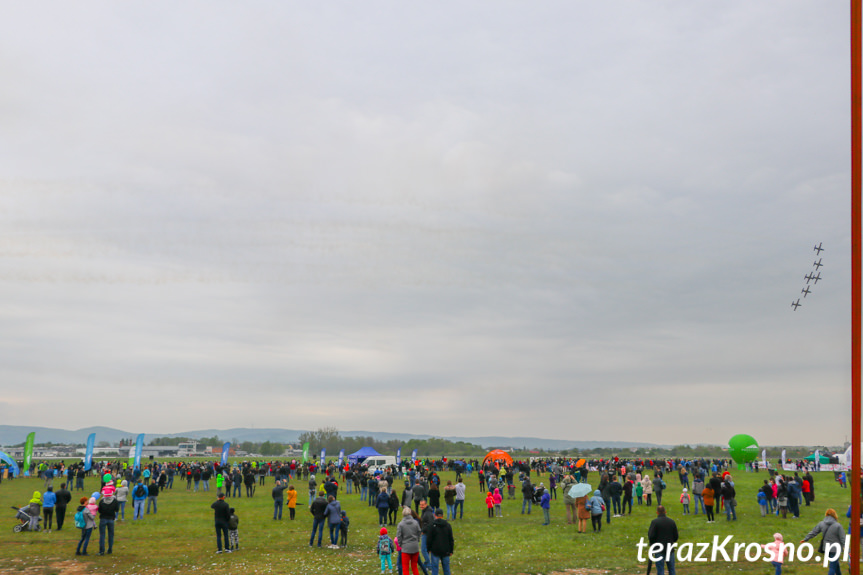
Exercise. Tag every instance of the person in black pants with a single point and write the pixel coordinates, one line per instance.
(64, 497)
(222, 515)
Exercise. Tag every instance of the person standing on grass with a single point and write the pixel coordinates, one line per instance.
(583, 514)
(49, 500)
(87, 530)
(139, 496)
(318, 509)
(441, 543)
(292, 501)
(662, 530)
(545, 504)
(408, 534)
(222, 518)
(108, 508)
(707, 497)
(122, 495)
(63, 499)
(153, 496)
(647, 486)
(460, 490)
(278, 499)
(334, 517)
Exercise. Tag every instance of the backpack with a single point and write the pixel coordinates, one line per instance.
(139, 491)
(80, 522)
(385, 546)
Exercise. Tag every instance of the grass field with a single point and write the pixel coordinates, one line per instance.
(180, 538)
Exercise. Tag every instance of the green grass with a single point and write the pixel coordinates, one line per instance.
(180, 539)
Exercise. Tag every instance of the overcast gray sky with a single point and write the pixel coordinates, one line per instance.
(577, 220)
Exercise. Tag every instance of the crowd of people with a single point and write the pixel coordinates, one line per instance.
(421, 513)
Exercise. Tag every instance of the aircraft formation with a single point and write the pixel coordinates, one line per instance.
(811, 277)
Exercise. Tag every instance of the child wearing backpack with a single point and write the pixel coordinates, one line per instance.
(684, 499)
(233, 530)
(385, 550)
(85, 521)
(343, 530)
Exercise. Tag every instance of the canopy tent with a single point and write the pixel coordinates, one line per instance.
(497, 455)
(363, 453)
(821, 459)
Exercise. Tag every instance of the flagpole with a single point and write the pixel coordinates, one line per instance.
(856, 151)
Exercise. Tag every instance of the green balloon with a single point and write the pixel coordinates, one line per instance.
(743, 448)
(107, 477)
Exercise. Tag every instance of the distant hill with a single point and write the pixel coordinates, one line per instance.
(15, 434)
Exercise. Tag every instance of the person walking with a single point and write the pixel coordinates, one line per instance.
(832, 540)
(440, 542)
(408, 534)
(596, 506)
(776, 552)
(449, 500)
(662, 530)
(222, 518)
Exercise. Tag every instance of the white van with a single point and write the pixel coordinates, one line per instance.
(376, 462)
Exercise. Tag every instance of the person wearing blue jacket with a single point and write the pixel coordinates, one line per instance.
(49, 500)
(596, 506)
(545, 503)
(139, 496)
(383, 505)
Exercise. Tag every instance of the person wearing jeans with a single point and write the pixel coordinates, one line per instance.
(460, 489)
(139, 496)
(662, 530)
(318, 509)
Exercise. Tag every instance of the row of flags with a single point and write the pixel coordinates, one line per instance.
(138, 448)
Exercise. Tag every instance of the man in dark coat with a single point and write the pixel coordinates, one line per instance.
(318, 509)
(661, 534)
(441, 543)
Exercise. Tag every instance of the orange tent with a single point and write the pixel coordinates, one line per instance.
(497, 455)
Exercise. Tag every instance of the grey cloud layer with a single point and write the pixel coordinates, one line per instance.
(482, 219)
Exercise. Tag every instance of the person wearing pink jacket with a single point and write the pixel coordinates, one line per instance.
(777, 552)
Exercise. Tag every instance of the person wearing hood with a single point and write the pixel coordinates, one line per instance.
(87, 530)
(35, 510)
(776, 552)
(596, 506)
(108, 508)
(440, 542)
(833, 536)
(545, 504)
(122, 495)
(313, 488)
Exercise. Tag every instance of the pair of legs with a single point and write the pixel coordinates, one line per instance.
(708, 510)
(106, 525)
(222, 534)
(596, 521)
(84, 541)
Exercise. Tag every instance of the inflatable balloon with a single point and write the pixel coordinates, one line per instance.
(743, 449)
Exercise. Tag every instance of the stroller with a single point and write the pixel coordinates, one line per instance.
(27, 522)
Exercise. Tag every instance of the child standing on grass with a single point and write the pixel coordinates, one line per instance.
(777, 552)
(498, 500)
(489, 503)
(545, 503)
(292, 501)
(344, 529)
(684, 499)
(385, 550)
(233, 531)
(639, 491)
